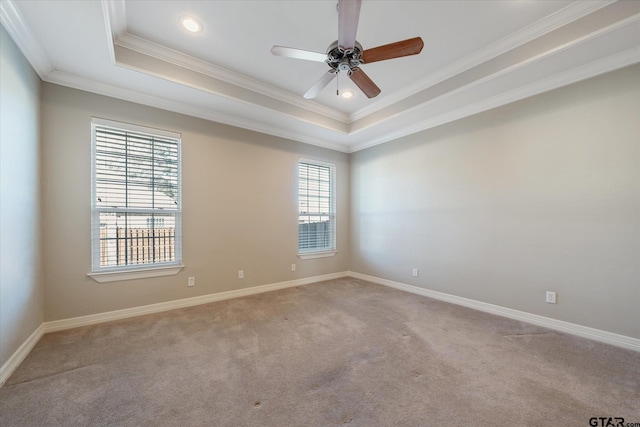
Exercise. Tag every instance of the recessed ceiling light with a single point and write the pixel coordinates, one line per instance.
(347, 94)
(191, 24)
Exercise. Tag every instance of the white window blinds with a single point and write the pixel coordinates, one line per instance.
(136, 196)
(316, 207)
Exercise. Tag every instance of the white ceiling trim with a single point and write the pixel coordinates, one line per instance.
(118, 27)
(88, 85)
(531, 32)
(116, 16)
(120, 36)
(189, 78)
(19, 31)
(504, 71)
(310, 123)
(582, 72)
(163, 53)
(23, 37)
(112, 23)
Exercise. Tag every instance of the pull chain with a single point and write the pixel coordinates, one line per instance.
(338, 84)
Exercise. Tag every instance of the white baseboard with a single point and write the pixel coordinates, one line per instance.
(23, 351)
(92, 319)
(547, 322)
(58, 325)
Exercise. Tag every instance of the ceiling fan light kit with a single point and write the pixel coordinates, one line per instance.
(346, 55)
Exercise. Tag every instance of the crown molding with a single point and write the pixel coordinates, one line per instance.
(531, 32)
(116, 17)
(344, 134)
(544, 26)
(19, 31)
(113, 13)
(88, 85)
(504, 71)
(163, 53)
(13, 22)
(186, 77)
(579, 73)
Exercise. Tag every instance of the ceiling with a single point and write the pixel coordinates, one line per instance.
(477, 55)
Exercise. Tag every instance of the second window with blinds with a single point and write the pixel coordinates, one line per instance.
(316, 209)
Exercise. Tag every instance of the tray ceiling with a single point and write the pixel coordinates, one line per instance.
(478, 55)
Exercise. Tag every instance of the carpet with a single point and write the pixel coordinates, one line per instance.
(334, 353)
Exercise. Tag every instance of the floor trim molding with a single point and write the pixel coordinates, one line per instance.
(59, 325)
(92, 319)
(547, 322)
(20, 354)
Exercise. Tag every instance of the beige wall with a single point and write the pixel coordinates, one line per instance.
(239, 207)
(21, 294)
(543, 194)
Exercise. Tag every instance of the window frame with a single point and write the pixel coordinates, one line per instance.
(134, 271)
(325, 251)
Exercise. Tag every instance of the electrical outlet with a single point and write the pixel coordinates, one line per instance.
(293, 267)
(240, 274)
(415, 272)
(191, 281)
(551, 297)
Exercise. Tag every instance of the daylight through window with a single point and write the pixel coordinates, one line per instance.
(316, 207)
(136, 197)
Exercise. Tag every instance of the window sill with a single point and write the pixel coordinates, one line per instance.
(312, 255)
(141, 273)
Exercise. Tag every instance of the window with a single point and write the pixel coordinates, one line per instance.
(136, 206)
(316, 209)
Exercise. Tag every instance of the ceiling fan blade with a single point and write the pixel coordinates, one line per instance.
(291, 52)
(393, 50)
(348, 14)
(320, 84)
(365, 84)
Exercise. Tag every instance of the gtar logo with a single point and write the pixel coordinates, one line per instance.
(606, 422)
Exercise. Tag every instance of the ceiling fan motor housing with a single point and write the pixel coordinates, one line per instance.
(345, 60)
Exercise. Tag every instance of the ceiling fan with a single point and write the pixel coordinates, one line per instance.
(345, 55)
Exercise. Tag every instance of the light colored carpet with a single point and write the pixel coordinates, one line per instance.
(327, 354)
